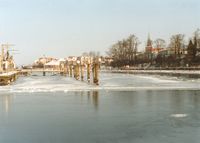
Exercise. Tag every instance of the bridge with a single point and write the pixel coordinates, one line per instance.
(42, 70)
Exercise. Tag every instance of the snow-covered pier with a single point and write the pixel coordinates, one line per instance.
(8, 77)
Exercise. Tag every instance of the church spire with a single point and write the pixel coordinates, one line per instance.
(149, 36)
(149, 48)
(149, 42)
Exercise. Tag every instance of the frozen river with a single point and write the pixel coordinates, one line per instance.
(122, 109)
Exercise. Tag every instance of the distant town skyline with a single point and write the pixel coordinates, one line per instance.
(61, 28)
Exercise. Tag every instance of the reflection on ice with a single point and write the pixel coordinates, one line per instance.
(108, 81)
(6, 102)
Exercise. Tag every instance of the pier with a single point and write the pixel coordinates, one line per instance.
(77, 67)
(7, 78)
(8, 72)
(75, 70)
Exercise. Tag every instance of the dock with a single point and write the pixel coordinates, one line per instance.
(8, 77)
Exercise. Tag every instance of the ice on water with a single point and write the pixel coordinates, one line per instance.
(108, 81)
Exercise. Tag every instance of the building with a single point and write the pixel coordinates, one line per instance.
(6, 61)
(52, 65)
(39, 63)
(148, 49)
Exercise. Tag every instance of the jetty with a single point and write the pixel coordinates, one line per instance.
(78, 69)
(8, 71)
(8, 77)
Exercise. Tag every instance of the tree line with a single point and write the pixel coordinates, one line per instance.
(124, 52)
(178, 53)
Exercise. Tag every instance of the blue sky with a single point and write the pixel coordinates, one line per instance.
(61, 28)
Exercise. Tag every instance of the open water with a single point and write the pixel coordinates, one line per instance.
(124, 108)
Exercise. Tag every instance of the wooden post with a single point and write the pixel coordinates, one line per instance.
(67, 70)
(77, 71)
(82, 72)
(88, 72)
(70, 70)
(96, 73)
(74, 70)
(62, 68)
(44, 73)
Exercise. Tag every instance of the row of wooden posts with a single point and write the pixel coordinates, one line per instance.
(77, 70)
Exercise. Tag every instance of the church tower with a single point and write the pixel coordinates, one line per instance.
(149, 46)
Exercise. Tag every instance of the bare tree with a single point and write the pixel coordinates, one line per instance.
(176, 44)
(160, 43)
(193, 48)
(133, 47)
(124, 52)
(197, 38)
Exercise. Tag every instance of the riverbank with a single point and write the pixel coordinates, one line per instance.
(185, 73)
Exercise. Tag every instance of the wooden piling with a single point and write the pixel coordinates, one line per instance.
(74, 71)
(67, 70)
(77, 71)
(96, 73)
(70, 70)
(44, 73)
(82, 72)
(88, 72)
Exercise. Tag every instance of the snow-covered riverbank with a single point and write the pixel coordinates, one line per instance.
(195, 73)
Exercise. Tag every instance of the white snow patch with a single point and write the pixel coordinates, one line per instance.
(179, 115)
